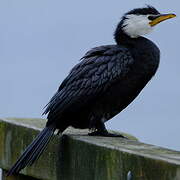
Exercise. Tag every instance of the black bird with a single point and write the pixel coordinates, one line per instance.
(106, 81)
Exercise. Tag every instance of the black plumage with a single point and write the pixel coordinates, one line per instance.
(106, 80)
(101, 85)
(149, 10)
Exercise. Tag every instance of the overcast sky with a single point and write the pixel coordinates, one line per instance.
(40, 41)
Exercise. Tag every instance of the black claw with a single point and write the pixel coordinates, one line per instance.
(105, 134)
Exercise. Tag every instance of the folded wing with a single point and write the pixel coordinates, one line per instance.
(98, 69)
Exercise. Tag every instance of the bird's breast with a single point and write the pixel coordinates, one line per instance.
(119, 95)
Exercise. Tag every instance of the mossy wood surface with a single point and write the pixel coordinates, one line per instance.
(76, 156)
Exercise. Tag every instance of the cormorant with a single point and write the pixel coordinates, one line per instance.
(106, 81)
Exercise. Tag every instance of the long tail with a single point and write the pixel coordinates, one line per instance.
(34, 150)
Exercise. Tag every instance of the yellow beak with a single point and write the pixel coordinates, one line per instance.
(162, 17)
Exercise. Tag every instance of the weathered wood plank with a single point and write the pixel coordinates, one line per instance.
(76, 156)
(15, 177)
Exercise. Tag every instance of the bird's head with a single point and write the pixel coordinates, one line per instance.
(140, 21)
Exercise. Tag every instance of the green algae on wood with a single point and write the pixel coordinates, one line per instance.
(77, 156)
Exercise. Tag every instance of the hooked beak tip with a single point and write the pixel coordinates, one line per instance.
(162, 17)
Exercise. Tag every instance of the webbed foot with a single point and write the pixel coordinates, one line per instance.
(105, 134)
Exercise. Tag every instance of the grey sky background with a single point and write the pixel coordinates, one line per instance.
(40, 41)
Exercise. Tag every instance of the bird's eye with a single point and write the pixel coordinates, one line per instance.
(151, 17)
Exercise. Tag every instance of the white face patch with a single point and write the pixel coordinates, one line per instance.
(136, 25)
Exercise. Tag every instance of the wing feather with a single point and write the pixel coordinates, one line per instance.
(99, 68)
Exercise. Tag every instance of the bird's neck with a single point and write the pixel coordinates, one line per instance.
(122, 38)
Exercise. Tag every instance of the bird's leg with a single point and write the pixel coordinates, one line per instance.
(102, 131)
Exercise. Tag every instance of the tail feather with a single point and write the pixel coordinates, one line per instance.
(34, 150)
(41, 146)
